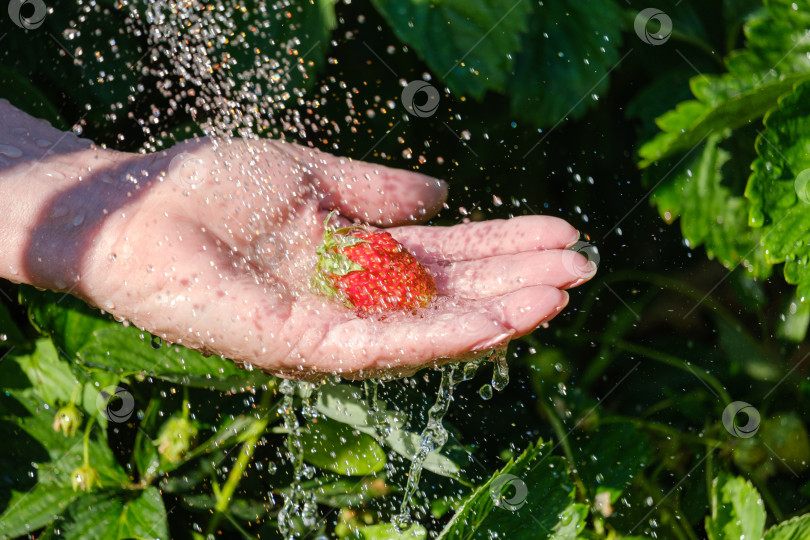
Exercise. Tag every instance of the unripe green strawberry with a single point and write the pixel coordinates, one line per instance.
(370, 271)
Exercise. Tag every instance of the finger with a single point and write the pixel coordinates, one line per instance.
(470, 241)
(372, 193)
(372, 345)
(500, 275)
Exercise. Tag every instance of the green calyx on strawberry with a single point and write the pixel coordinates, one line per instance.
(370, 271)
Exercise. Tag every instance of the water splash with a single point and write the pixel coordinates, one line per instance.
(381, 424)
(433, 438)
(500, 370)
(298, 502)
(500, 373)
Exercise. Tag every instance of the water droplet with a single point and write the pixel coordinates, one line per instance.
(10, 151)
(485, 392)
(500, 371)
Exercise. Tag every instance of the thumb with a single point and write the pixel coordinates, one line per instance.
(372, 193)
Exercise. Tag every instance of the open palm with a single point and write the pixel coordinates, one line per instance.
(211, 246)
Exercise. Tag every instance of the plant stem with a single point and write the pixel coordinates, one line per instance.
(679, 363)
(254, 433)
(559, 430)
(86, 441)
(661, 428)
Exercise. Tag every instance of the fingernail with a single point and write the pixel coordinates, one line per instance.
(585, 269)
(574, 239)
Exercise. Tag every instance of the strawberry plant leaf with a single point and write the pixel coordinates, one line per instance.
(621, 451)
(776, 206)
(30, 510)
(774, 61)
(737, 511)
(388, 531)
(792, 529)
(339, 448)
(564, 59)
(344, 403)
(476, 54)
(711, 213)
(533, 496)
(132, 514)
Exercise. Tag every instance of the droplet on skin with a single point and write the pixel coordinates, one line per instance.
(10, 151)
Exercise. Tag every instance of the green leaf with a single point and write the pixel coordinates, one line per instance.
(388, 531)
(66, 453)
(797, 528)
(612, 456)
(775, 205)
(126, 515)
(339, 448)
(345, 404)
(572, 522)
(28, 511)
(468, 43)
(711, 214)
(564, 59)
(533, 494)
(52, 378)
(344, 492)
(737, 509)
(774, 61)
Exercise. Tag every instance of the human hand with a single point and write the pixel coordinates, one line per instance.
(212, 248)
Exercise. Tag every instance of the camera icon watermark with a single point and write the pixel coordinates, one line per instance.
(732, 423)
(409, 94)
(186, 170)
(115, 403)
(28, 14)
(498, 488)
(642, 24)
(802, 186)
(573, 264)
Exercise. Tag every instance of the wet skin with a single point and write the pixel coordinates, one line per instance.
(212, 248)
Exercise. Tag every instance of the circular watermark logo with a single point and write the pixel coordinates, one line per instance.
(186, 170)
(429, 107)
(573, 263)
(733, 423)
(503, 482)
(802, 186)
(28, 14)
(115, 403)
(642, 24)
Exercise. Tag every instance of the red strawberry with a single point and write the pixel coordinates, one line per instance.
(370, 271)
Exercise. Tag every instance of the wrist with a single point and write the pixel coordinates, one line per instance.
(49, 201)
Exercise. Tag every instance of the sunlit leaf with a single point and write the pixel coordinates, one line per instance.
(737, 510)
(532, 494)
(138, 514)
(339, 448)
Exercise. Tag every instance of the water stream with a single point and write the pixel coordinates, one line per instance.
(299, 504)
(433, 438)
